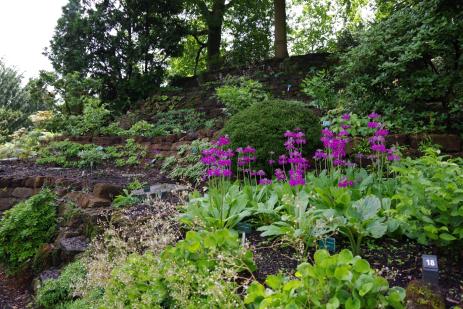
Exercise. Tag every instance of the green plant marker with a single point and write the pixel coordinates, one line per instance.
(328, 243)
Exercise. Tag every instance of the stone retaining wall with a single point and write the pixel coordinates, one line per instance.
(14, 190)
(160, 145)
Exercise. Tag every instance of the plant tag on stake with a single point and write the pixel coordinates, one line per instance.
(430, 269)
(328, 244)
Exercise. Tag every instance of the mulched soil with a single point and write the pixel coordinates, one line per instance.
(14, 294)
(104, 173)
(398, 260)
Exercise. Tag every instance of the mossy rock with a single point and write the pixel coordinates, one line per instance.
(420, 295)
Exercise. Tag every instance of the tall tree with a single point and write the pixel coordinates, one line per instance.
(281, 41)
(212, 12)
(122, 43)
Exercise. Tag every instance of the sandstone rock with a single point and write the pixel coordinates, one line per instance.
(22, 192)
(91, 201)
(106, 190)
(7, 203)
(5, 192)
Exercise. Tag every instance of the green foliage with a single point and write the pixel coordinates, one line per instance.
(53, 293)
(143, 128)
(9, 120)
(180, 121)
(222, 207)
(24, 144)
(187, 164)
(263, 125)
(25, 228)
(12, 95)
(127, 155)
(318, 24)
(409, 60)
(321, 89)
(93, 118)
(85, 33)
(238, 94)
(70, 154)
(337, 281)
(125, 200)
(199, 272)
(429, 198)
(293, 220)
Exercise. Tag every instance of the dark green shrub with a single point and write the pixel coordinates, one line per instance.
(54, 292)
(410, 63)
(25, 228)
(263, 125)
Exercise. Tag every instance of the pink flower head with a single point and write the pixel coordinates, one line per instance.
(345, 126)
(265, 181)
(227, 173)
(344, 183)
(260, 173)
(280, 174)
(282, 160)
(393, 157)
(225, 162)
(208, 160)
(374, 115)
(239, 150)
(343, 133)
(378, 148)
(249, 149)
(373, 125)
(381, 132)
(345, 117)
(213, 172)
(327, 133)
(319, 154)
(222, 141)
(271, 162)
(296, 177)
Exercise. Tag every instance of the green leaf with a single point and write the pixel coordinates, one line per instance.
(343, 273)
(447, 237)
(353, 303)
(274, 282)
(361, 266)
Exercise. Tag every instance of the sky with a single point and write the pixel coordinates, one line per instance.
(26, 28)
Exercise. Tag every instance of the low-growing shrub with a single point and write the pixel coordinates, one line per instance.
(25, 228)
(238, 94)
(429, 198)
(199, 272)
(263, 125)
(53, 293)
(337, 281)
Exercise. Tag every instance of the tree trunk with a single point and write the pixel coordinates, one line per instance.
(281, 41)
(214, 34)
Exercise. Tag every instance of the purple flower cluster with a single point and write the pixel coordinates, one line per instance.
(218, 159)
(378, 140)
(335, 146)
(344, 183)
(294, 161)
